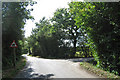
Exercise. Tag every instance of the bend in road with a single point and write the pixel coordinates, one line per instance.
(55, 68)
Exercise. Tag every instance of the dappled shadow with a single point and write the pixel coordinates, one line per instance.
(81, 59)
(43, 76)
(35, 76)
(29, 73)
(26, 72)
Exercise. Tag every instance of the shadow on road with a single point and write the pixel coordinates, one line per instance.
(29, 73)
(81, 59)
(35, 76)
(43, 76)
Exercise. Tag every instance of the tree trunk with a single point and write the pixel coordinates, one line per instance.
(29, 51)
(74, 47)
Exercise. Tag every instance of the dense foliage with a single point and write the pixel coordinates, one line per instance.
(83, 29)
(45, 41)
(14, 16)
(55, 37)
(101, 22)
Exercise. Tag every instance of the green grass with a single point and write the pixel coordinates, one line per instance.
(30, 55)
(34, 56)
(97, 71)
(11, 72)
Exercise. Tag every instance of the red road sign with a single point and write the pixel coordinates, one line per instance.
(13, 45)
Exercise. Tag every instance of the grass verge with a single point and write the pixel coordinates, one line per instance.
(97, 71)
(34, 56)
(11, 72)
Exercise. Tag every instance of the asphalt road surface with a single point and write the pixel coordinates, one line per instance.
(52, 68)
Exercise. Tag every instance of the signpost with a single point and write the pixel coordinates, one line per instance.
(14, 45)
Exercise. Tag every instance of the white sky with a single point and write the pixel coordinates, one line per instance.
(43, 8)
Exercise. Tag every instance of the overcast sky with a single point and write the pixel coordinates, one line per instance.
(43, 8)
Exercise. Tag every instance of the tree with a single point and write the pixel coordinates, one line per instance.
(100, 21)
(13, 16)
(65, 21)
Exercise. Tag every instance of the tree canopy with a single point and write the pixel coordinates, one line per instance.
(89, 29)
(14, 15)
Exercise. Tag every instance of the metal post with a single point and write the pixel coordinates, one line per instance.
(14, 58)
